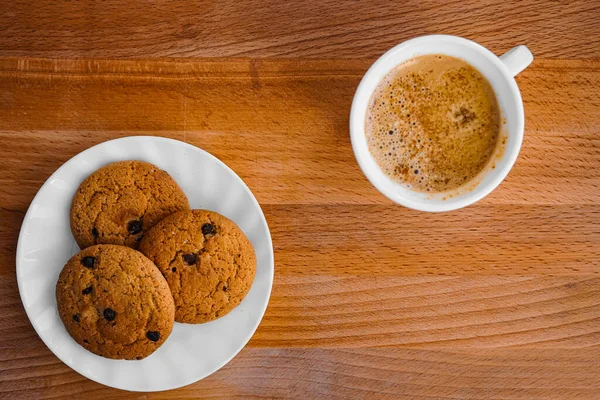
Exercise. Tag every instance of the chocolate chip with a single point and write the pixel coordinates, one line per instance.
(77, 318)
(224, 288)
(190, 259)
(138, 358)
(87, 290)
(208, 229)
(85, 341)
(134, 227)
(174, 269)
(416, 171)
(154, 336)
(95, 232)
(109, 314)
(88, 262)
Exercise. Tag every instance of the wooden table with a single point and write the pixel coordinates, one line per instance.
(371, 300)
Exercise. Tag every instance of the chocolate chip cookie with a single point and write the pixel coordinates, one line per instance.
(207, 260)
(119, 202)
(114, 302)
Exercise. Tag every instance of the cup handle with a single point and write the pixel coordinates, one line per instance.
(517, 59)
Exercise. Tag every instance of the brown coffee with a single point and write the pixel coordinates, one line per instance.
(433, 123)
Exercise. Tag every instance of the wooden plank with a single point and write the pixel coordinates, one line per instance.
(340, 29)
(274, 123)
(432, 312)
(387, 240)
(418, 312)
(380, 240)
(341, 373)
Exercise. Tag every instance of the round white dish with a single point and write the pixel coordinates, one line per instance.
(192, 352)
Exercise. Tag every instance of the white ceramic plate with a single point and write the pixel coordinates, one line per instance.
(192, 352)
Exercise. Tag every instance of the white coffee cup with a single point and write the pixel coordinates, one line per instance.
(499, 71)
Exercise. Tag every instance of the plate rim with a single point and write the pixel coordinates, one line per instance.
(19, 250)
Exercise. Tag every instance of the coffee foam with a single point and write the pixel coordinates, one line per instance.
(433, 123)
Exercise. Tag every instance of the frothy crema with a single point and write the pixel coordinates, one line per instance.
(433, 123)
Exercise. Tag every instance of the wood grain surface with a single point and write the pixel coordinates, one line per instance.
(500, 300)
(279, 28)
